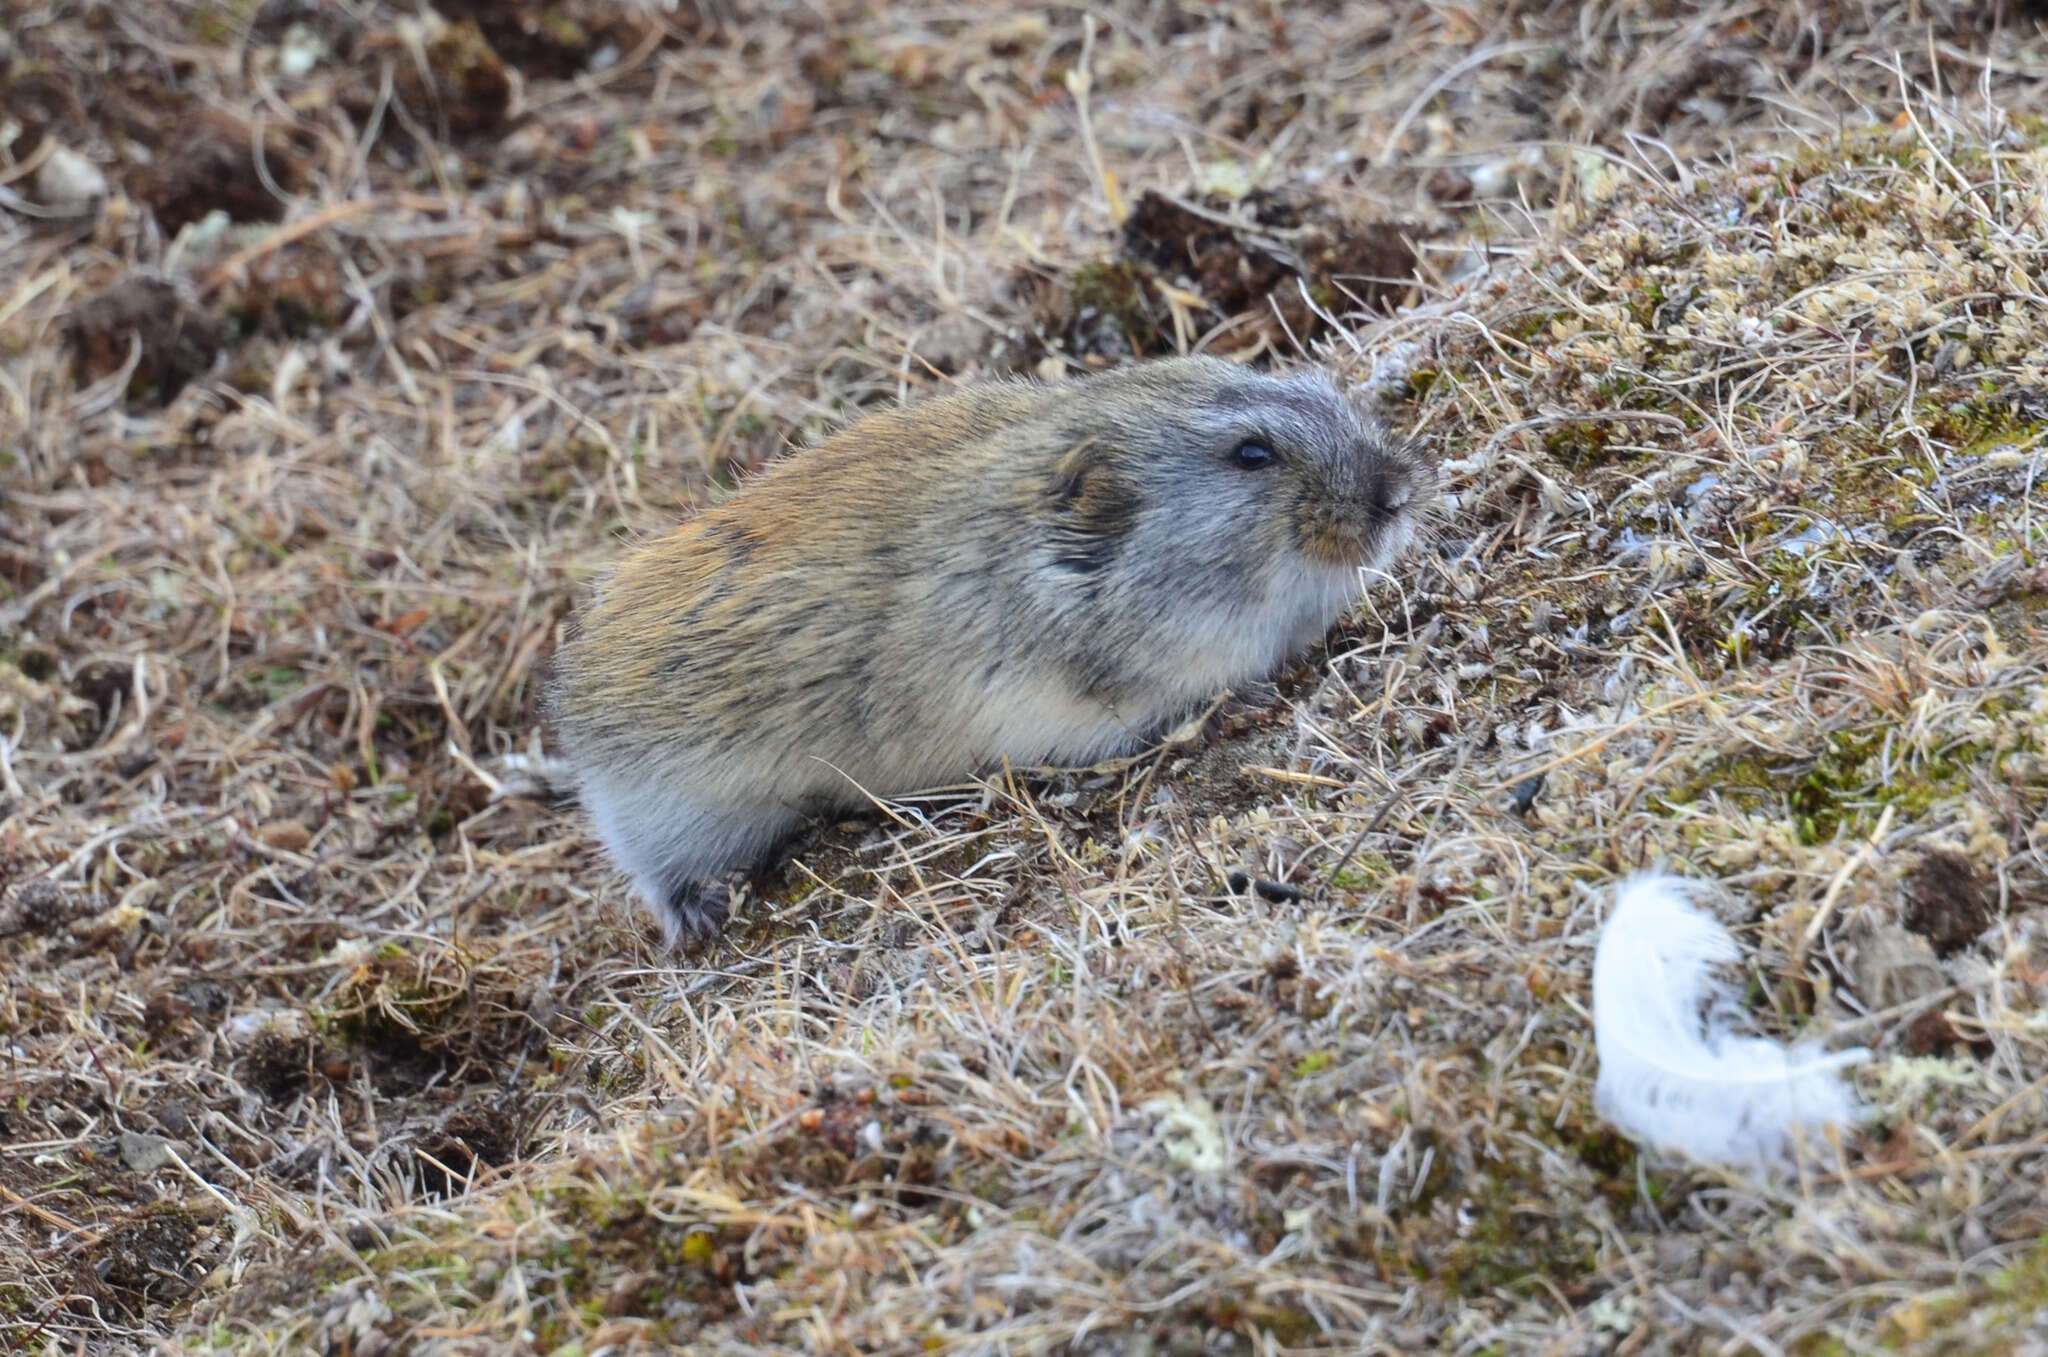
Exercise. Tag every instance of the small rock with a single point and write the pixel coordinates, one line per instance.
(1523, 794)
(300, 51)
(953, 344)
(69, 182)
(288, 835)
(285, 1024)
(1893, 967)
(146, 1153)
(1493, 179)
(1276, 892)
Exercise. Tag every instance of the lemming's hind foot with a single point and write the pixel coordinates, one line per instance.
(695, 912)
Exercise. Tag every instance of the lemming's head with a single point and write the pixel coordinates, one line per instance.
(1229, 458)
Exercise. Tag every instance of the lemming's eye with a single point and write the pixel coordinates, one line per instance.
(1253, 454)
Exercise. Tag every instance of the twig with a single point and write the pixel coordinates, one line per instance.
(1840, 881)
(306, 226)
(1080, 80)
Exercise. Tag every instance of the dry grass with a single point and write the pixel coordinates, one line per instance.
(1729, 329)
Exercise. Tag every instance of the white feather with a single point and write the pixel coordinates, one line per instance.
(1680, 1079)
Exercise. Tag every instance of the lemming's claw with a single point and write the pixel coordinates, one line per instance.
(698, 911)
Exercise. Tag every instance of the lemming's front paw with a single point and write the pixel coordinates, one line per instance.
(697, 912)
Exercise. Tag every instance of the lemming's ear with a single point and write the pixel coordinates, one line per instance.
(1090, 506)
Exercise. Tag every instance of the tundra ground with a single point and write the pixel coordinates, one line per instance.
(341, 347)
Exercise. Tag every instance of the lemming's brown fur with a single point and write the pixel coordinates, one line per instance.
(1039, 572)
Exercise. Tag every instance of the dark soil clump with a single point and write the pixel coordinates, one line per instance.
(177, 340)
(1261, 273)
(1945, 902)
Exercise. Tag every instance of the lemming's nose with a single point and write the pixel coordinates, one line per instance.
(1386, 492)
